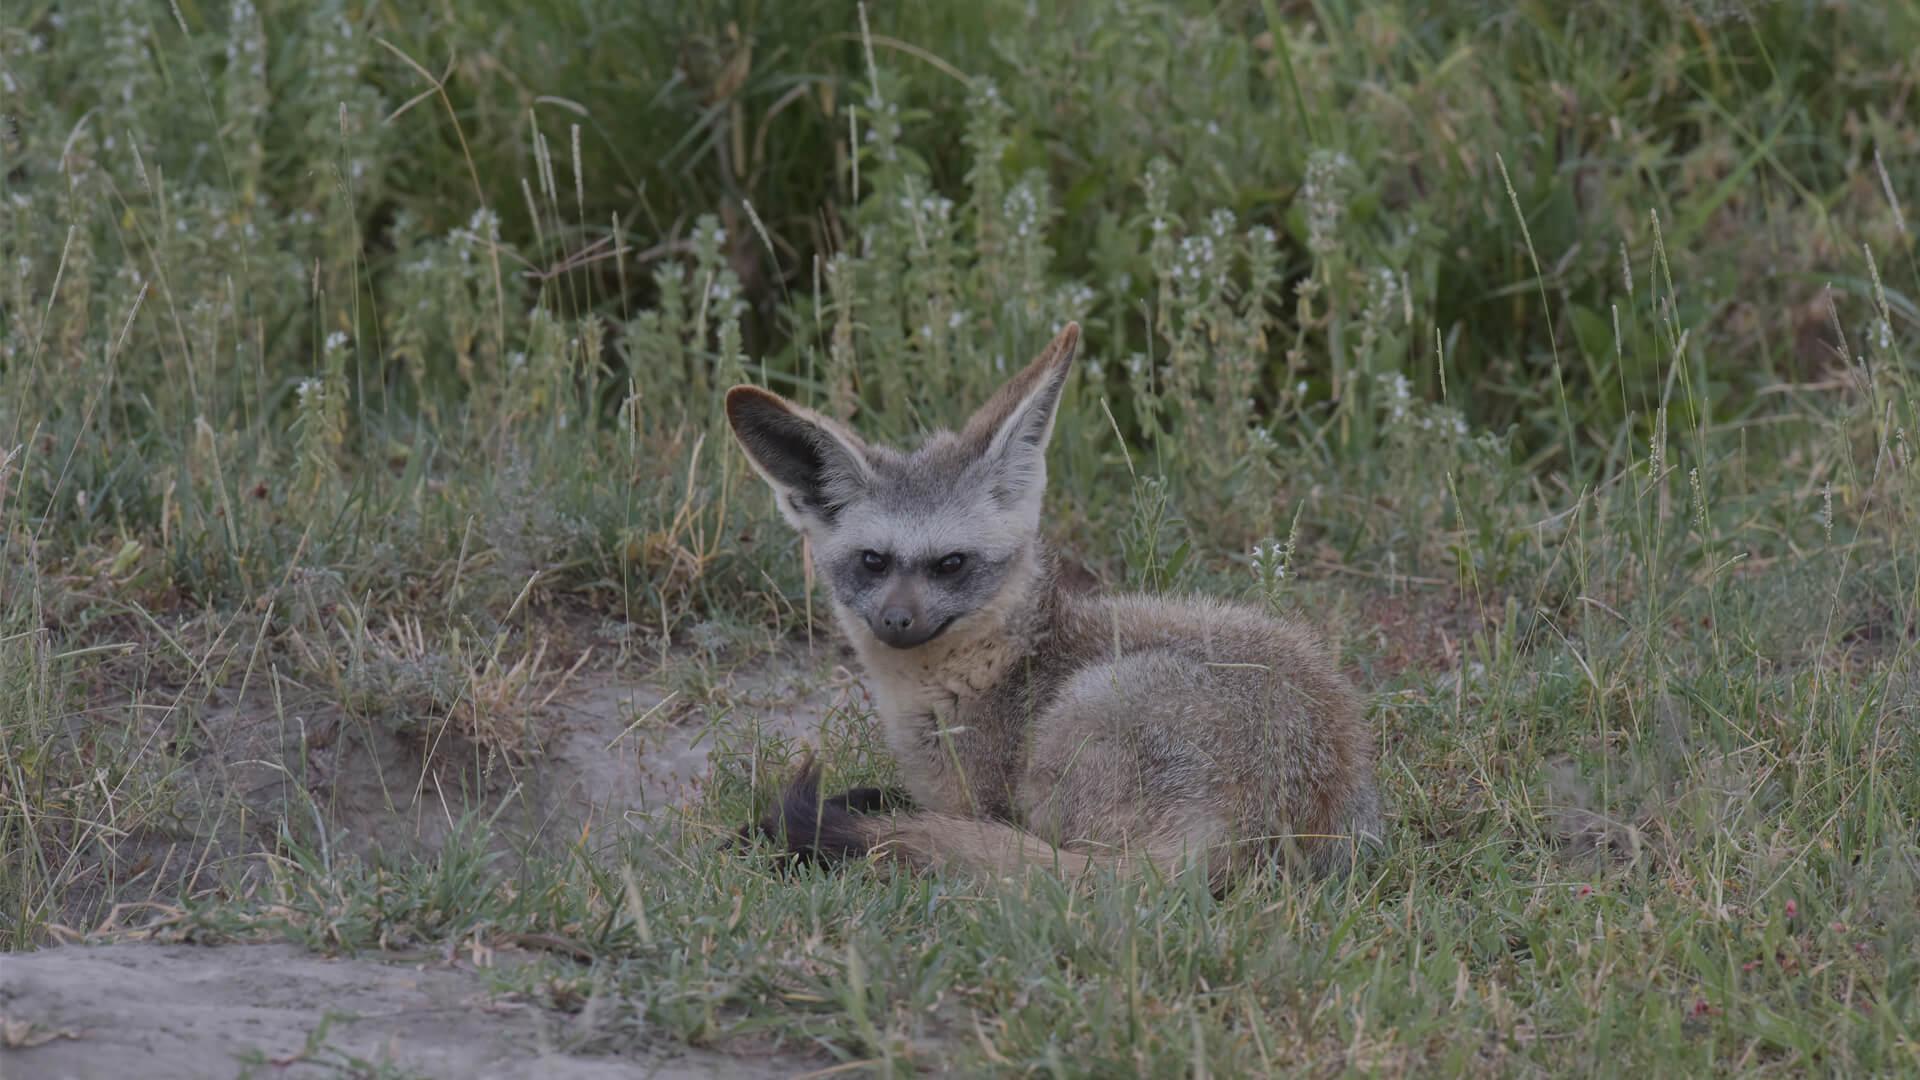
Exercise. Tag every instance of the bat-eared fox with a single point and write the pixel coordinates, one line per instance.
(1036, 726)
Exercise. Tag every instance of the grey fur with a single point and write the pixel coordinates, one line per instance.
(1036, 725)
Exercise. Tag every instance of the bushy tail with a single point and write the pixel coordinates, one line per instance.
(826, 830)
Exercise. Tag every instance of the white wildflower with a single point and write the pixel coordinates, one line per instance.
(1325, 194)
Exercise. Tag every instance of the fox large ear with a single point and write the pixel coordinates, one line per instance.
(815, 467)
(1011, 430)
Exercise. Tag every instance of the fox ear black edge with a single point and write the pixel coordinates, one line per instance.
(814, 468)
(744, 400)
(1025, 402)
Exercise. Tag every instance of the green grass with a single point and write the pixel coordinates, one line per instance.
(1565, 350)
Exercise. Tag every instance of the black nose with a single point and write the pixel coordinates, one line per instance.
(904, 627)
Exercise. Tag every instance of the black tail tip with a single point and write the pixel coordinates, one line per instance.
(814, 828)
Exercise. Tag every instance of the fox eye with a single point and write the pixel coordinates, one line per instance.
(874, 561)
(951, 564)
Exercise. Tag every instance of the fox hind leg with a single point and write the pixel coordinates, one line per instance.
(1114, 768)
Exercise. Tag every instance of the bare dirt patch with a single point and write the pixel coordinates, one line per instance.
(614, 753)
(611, 752)
(163, 1011)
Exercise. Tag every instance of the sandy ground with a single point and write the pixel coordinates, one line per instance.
(614, 755)
(160, 1011)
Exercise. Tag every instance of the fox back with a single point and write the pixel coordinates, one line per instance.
(1034, 725)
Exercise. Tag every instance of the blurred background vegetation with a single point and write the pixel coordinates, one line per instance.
(277, 273)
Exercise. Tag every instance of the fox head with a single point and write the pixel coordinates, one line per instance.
(913, 542)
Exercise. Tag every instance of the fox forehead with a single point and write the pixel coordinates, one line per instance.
(915, 533)
(927, 503)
